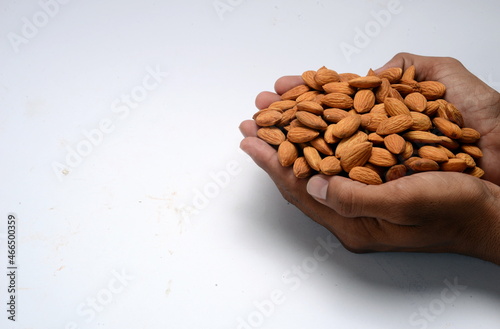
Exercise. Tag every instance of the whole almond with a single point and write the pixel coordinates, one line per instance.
(301, 168)
(447, 128)
(433, 153)
(371, 121)
(345, 77)
(449, 143)
(308, 77)
(310, 106)
(395, 124)
(295, 92)
(365, 175)
(395, 172)
(393, 93)
(409, 74)
(472, 150)
(364, 100)
(347, 126)
(454, 115)
(287, 153)
(420, 165)
(382, 157)
(339, 87)
(383, 90)
(416, 102)
(330, 165)
(455, 164)
(469, 161)
(338, 100)
(408, 151)
(395, 143)
(423, 137)
(376, 139)
(310, 95)
(347, 143)
(312, 157)
(268, 118)
(402, 88)
(324, 75)
(328, 135)
(476, 172)
(394, 107)
(321, 145)
(365, 82)
(357, 155)
(283, 105)
(311, 120)
(469, 136)
(287, 117)
(431, 108)
(271, 135)
(302, 134)
(334, 115)
(432, 90)
(420, 121)
(392, 74)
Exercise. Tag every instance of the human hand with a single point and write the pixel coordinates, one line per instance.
(427, 212)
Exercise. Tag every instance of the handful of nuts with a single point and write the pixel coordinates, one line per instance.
(373, 129)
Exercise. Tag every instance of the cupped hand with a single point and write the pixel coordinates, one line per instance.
(425, 212)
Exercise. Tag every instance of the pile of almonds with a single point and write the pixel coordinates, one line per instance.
(373, 129)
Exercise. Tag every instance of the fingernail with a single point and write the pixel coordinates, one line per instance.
(317, 187)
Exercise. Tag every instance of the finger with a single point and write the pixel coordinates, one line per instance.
(286, 83)
(249, 128)
(265, 98)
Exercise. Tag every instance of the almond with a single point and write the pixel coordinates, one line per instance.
(455, 164)
(395, 172)
(295, 92)
(345, 77)
(330, 165)
(476, 172)
(395, 143)
(339, 87)
(308, 77)
(392, 74)
(447, 128)
(394, 107)
(449, 143)
(312, 157)
(365, 175)
(287, 117)
(310, 95)
(347, 126)
(283, 105)
(334, 115)
(395, 124)
(347, 143)
(431, 108)
(454, 115)
(371, 121)
(287, 153)
(472, 150)
(393, 93)
(432, 90)
(409, 74)
(338, 100)
(357, 155)
(375, 139)
(311, 120)
(301, 168)
(271, 135)
(408, 152)
(423, 137)
(328, 135)
(433, 153)
(302, 134)
(321, 145)
(365, 82)
(416, 102)
(402, 88)
(268, 118)
(420, 121)
(382, 157)
(364, 100)
(420, 165)
(469, 161)
(469, 136)
(310, 106)
(383, 90)
(324, 75)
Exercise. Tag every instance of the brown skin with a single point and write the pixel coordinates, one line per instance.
(425, 212)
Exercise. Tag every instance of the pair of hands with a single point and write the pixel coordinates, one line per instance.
(425, 212)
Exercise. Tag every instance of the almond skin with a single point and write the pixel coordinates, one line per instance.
(330, 165)
(311, 120)
(420, 121)
(448, 128)
(312, 157)
(382, 157)
(456, 164)
(347, 143)
(287, 154)
(357, 155)
(365, 175)
(347, 126)
(472, 150)
(268, 118)
(469, 136)
(364, 100)
(394, 107)
(433, 153)
(308, 77)
(283, 105)
(395, 124)
(395, 172)
(310, 106)
(420, 165)
(365, 82)
(321, 145)
(339, 87)
(295, 92)
(416, 102)
(395, 143)
(324, 75)
(392, 74)
(423, 137)
(301, 169)
(338, 100)
(271, 135)
(432, 90)
(383, 91)
(302, 134)
(334, 115)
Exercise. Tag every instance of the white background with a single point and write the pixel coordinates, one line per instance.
(158, 221)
